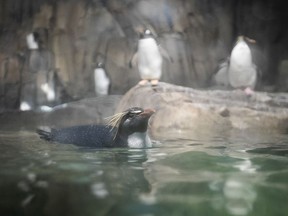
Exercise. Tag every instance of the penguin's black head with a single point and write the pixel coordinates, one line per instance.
(100, 65)
(36, 36)
(132, 120)
(136, 119)
(146, 34)
(245, 39)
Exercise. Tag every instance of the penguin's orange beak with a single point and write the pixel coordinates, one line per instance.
(147, 113)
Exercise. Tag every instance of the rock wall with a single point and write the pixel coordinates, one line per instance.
(76, 34)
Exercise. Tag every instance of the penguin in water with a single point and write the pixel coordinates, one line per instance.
(242, 72)
(149, 58)
(101, 80)
(125, 129)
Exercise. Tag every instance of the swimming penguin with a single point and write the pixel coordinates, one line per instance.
(125, 129)
(149, 58)
(101, 80)
(242, 71)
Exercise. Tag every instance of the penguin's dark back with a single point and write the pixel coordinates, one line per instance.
(85, 135)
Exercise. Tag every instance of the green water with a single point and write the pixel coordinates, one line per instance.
(240, 175)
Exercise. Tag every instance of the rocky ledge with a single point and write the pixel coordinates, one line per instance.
(189, 113)
(85, 111)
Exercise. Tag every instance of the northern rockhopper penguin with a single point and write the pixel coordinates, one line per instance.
(242, 72)
(125, 129)
(149, 58)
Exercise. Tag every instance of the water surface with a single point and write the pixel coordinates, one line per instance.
(239, 175)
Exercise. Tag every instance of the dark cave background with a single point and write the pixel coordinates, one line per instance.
(74, 35)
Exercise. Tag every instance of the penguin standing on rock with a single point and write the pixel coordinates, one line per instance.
(242, 72)
(27, 101)
(149, 58)
(101, 80)
(125, 129)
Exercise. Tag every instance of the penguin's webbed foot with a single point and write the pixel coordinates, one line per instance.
(143, 82)
(154, 82)
(248, 91)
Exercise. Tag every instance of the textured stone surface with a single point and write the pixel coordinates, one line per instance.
(189, 113)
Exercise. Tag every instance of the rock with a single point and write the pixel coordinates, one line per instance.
(86, 111)
(282, 81)
(42, 18)
(223, 111)
(10, 81)
(190, 113)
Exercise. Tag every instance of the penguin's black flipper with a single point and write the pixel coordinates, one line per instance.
(46, 135)
(133, 60)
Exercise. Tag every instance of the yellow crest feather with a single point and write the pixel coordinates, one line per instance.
(115, 120)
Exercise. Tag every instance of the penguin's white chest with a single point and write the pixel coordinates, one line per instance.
(139, 140)
(101, 82)
(31, 43)
(149, 59)
(241, 55)
(242, 71)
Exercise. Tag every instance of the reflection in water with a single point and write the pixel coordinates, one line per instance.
(240, 196)
(246, 166)
(177, 178)
(238, 190)
(99, 190)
